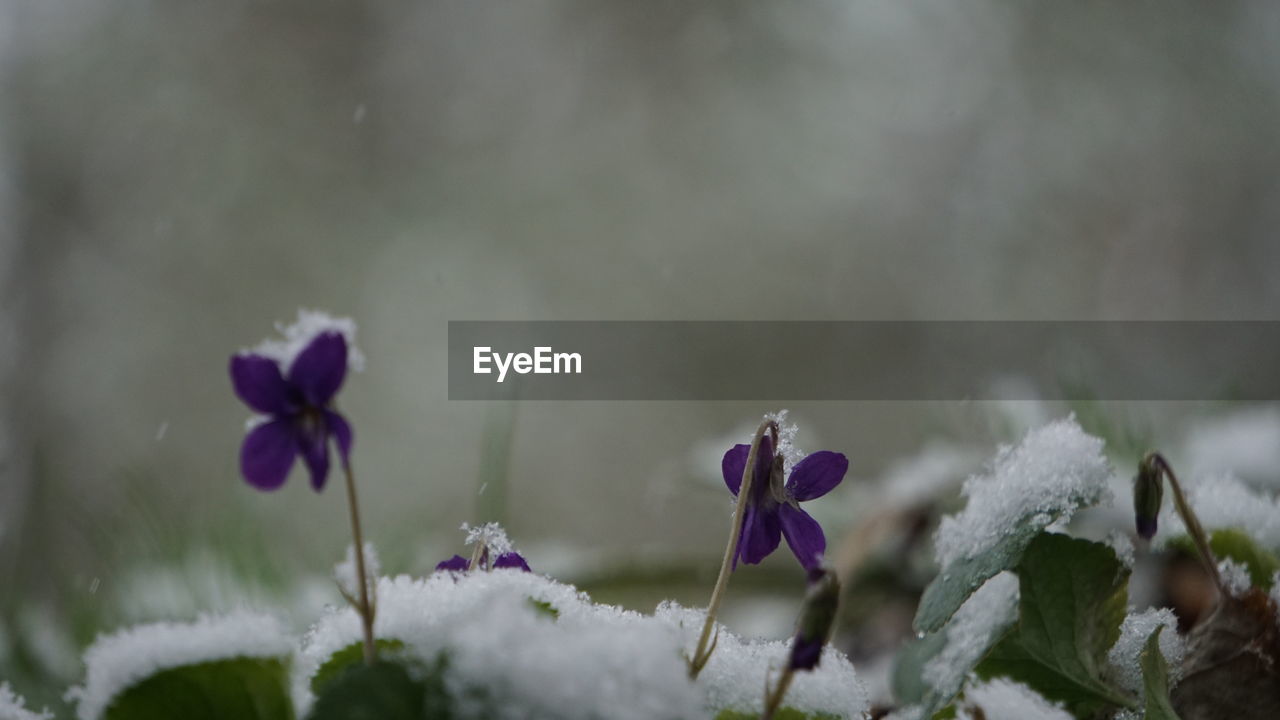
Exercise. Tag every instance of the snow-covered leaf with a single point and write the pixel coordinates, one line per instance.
(1072, 596)
(1155, 680)
(385, 690)
(346, 657)
(1056, 470)
(783, 713)
(242, 688)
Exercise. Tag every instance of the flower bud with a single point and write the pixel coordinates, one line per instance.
(817, 617)
(1148, 491)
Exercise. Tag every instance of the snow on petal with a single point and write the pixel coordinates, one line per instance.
(118, 661)
(298, 335)
(989, 611)
(1053, 472)
(1134, 632)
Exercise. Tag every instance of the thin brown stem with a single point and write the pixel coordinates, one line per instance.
(365, 607)
(702, 653)
(773, 698)
(1189, 519)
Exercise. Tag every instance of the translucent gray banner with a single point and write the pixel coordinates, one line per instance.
(884, 360)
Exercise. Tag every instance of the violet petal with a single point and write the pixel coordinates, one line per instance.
(313, 444)
(268, 453)
(817, 474)
(761, 533)
(731, 466)
(805, 653)
(258, 382)
(804, 535)
(457, 563)
(317, 372)
(511, 560)
(341, 431)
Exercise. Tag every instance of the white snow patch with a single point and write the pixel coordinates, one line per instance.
(591, 661)
(1235, 577)
(310, 323)
(1222, 501)
(118, 661)
(1134, 632)
(1054, 471)
(491, 535)
(1122, 544)
(347, 576)
(988, 612)
(13, 707)
(1003, 699)
(787, 431)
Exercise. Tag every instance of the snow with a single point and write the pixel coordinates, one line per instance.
(490, 535)
(1222, 501)
(1003, 699)
(787, 431)
(590, 661)
(1055, 470)
(1134, 631)
(13, 707)
(1122, 544)
(346, 573)
(1235, 577)
(988, 612)
(118, 661)
(297, 336)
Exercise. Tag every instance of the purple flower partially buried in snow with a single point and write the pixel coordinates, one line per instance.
(457, 563)
(296, 399)
(773, 509)
(491, 542)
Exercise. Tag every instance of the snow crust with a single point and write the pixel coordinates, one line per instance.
(988, 612)
(1055, 470)
(591, 661)
(1223, 501)
(1134, 631)
(1003, 699)
(302, 331)
(13, 707)
(116, 662)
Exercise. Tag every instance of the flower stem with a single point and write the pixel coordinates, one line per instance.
(1194, 529)
(773, 698)
(365, 608)
(703, 653)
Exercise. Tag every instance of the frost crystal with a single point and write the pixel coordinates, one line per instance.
(1224, 502)
(13, 707)
(116, 662)
(1002, 699)
(786, 440)
(346, 575)
(491, 535)
(1235, 577)
(987, 612)
(297, 336)
(1134, 632)
(1054, 471)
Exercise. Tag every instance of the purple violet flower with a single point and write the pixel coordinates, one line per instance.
(817, 616)
(296, 401)
(773, 510)
(457, 563)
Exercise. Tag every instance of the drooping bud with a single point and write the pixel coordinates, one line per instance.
(1148, 491)
(817, 617)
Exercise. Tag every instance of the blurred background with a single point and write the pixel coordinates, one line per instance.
(176, 177)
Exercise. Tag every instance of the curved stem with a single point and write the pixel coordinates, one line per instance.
(365, 608)
(1189, 519)
(773, 698)
(702, 653)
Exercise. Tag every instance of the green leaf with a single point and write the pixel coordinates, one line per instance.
(385, 690)
(1072, 597)
(960, 579)
(346, 657)
(907, 680)
(1237, 545)
(1155, 680)
(542, 607)
(242, 688)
